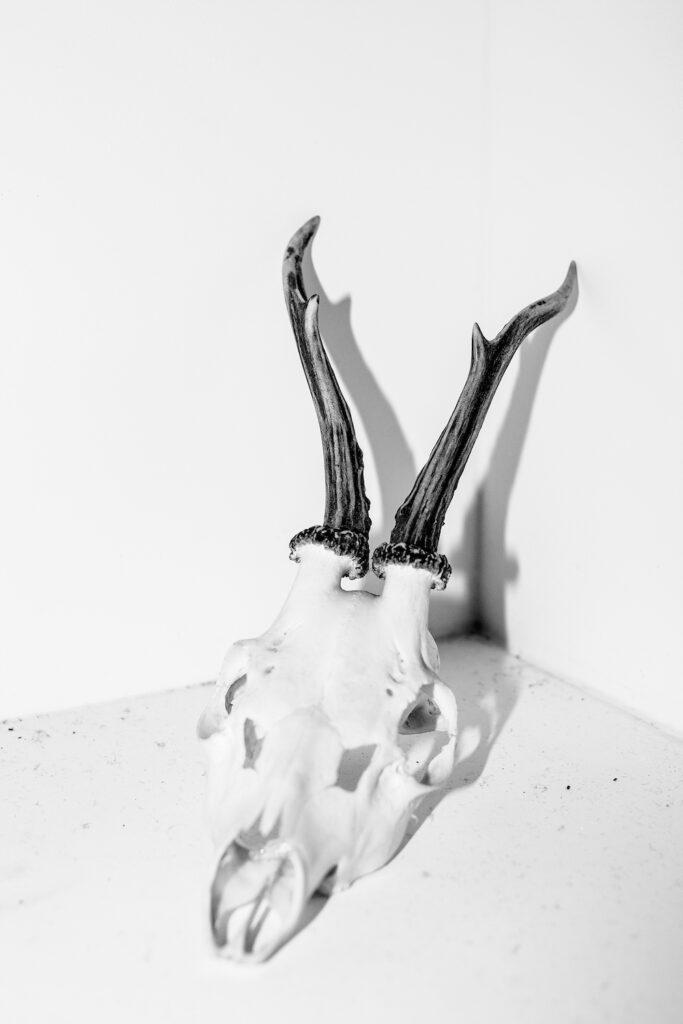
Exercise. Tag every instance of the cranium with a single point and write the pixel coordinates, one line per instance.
(324, 733)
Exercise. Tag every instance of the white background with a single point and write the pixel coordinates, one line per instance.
(586, 158)
(159, 447)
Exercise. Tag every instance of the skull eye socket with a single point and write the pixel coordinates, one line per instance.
(421, 717)
(231, 692)
(424, 738)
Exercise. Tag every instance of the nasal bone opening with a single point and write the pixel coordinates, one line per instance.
(257, 897)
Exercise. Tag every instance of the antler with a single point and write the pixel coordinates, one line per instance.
(346, 524)
(419, 520)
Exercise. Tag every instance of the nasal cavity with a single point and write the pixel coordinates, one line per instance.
(352, 765)
(252, 744)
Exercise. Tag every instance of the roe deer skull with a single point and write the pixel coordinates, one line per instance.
(324, 733)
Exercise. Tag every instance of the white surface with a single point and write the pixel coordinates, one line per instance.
(519, 900)
(160, 444)
(582, 546)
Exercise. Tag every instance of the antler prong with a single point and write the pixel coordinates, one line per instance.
(346, 524)
(419, 520)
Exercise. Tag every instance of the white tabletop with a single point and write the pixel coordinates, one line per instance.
(546, 885)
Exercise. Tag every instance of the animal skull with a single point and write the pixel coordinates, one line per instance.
(324, 733)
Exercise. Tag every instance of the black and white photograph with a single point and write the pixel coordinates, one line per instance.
(341, 572)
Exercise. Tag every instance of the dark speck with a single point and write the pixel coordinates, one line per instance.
(569, 787)
(268, 670)
(390, 693)
(614, 780)
(11, 728)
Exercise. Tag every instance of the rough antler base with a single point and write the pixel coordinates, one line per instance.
(406, 554)
(346, 543)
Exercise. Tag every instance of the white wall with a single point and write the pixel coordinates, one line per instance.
(582, 542)
(159, 444)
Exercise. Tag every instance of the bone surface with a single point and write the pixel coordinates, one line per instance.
(324, 733)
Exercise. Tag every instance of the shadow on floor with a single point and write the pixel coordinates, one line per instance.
(486, 693)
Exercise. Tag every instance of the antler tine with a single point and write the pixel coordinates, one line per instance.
(346, 524)
(419, 520)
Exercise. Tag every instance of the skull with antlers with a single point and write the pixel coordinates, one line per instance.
(323, 733)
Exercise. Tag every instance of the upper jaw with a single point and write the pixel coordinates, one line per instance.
(303, 818)
(258, 896)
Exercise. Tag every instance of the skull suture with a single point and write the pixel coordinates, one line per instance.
(324, 733)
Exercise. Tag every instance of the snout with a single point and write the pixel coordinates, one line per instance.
(257, 898)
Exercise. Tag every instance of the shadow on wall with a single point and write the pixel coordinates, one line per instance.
(493, 562)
